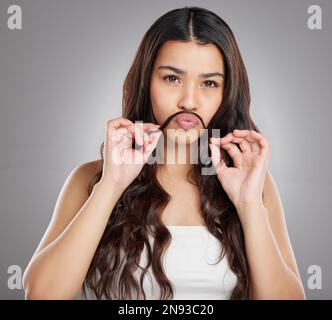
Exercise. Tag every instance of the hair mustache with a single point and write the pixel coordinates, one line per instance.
(165, 124)
(168, 120)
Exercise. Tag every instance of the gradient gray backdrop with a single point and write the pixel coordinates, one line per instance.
(61, 79)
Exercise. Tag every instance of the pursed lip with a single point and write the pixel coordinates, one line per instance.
(187, 121)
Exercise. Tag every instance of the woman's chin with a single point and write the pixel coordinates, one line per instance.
(181, 136)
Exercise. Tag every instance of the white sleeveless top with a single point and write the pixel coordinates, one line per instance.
(188, 264)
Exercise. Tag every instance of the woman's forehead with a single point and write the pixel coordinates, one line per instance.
(191, 57)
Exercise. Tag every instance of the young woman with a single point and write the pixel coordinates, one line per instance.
(125, 228)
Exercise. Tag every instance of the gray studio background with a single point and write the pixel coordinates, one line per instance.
(61, 79)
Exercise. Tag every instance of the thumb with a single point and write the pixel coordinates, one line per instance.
(112, 137)
(152, 145)
(216, 158)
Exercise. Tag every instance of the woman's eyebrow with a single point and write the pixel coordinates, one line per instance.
(182, 72)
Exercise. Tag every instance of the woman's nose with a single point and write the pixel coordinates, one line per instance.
(188, 100)
(188, 108)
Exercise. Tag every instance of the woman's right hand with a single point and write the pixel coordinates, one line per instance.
(122, 163)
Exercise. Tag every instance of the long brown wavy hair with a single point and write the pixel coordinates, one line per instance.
(110, 275)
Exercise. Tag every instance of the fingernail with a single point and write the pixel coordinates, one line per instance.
(151, 131)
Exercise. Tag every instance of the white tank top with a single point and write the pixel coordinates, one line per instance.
(188, 264)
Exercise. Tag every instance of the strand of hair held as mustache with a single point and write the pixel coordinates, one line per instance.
(165, 124)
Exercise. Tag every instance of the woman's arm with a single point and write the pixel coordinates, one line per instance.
(273, 269)
(59, 266)
(249, 185)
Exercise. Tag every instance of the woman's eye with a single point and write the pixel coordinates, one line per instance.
(211, 84)
(170, 77)
(215, 84)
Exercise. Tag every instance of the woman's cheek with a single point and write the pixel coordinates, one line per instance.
(163, 101)
(214, 103)
(160, 108)
(164, 92)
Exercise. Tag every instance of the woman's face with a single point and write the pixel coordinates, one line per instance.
(178, 82)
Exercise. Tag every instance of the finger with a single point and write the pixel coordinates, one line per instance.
(118, 122)
(247, 144)
(143, 138)
(247, 134)
(226, 139)
(112, 137)
(140, 131)
(139, 137)
(259, 143)
(215, 140)
(243, 144)
(149, 138)
(136, 133)
(154, 138)
(216, 158)
(123, 130)
(234, 152)
(262, 141)
(125, 133)
(149, 126)
(241, 132)
(244, 134)
(255, 147)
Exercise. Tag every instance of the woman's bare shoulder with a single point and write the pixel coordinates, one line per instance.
(91, 167)
(84, 173)
(72, 197)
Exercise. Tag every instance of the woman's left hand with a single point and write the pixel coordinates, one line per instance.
(244, 182)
